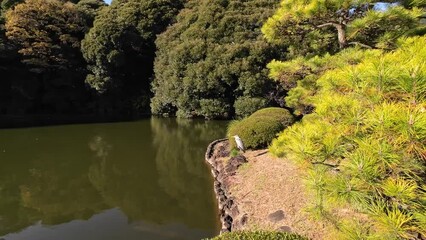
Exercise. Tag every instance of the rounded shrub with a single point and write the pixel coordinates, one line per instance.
(259, 129)
(281, 114)
(264, 235)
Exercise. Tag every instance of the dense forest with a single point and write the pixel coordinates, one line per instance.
(183, 58)
(80, 57)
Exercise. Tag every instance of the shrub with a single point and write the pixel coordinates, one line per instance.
(281, 114)
(258, 130)
(264, 235)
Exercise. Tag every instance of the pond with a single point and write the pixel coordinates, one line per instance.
(133, 180)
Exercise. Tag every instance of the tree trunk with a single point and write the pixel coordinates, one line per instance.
(341, 35)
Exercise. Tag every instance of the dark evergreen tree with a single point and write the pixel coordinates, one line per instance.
(120, 51)
(47, 35)
(212, 61)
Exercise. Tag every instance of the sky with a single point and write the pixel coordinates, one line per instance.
(108, 1)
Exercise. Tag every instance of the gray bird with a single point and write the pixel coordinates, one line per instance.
(240, 144)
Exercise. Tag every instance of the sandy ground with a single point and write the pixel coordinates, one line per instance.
(266, 185)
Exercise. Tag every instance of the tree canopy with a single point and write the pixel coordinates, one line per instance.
(120, 47)
(211, 62)
(321, 34)
(48, 33)
(326, 26)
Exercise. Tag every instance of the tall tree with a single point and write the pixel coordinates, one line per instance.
(90, 9)
(326, 28)
(120, 49)
(12, 99)
(47, 34)
(317, 26)
(211, 62)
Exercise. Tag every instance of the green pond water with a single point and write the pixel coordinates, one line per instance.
(133, 180)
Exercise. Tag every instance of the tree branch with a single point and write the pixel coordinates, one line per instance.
(327, 24)
(360, 44)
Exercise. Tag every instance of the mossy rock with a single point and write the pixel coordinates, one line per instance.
(259, 129)
(264, 235)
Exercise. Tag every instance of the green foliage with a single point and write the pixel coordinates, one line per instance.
(120, 47)
(213, 108)
(299, 75)
(258, 130)
(324, 26)
(365, 142)
(90, 9)
(244, 106)
(234, 152)
(280, 114)
(215, 52)
(41, 65)
(53, 44)
(254, 235)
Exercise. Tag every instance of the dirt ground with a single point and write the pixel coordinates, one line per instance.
(266, 185)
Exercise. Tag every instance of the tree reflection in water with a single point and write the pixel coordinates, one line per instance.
(152, 171)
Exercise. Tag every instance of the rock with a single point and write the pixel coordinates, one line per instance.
(237, 160)
(244, 219)
(222, 152)
(233, 164)
(284, 229)
(276, 216)
(229, 214)
(230, 169)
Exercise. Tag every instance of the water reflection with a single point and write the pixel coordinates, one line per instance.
(149, 173)
(170, 138)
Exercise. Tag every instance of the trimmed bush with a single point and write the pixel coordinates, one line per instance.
(258, 130)
(264, 235)
(281, 114)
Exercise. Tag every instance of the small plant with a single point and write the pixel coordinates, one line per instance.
(234, 152)
(257, 235)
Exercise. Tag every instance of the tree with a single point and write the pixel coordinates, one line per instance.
(319, 26)
(320, 36)
(120, 49)
(364, 145)
(12, 99)
(48, 33)
(90, 9)
(211, 62)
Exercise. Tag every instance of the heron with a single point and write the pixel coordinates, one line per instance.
(239, 142)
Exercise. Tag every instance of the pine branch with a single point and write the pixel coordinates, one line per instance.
(361, 45)
(328, 24)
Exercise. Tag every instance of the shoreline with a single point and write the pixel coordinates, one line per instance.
(229, 214)
(41, 120)
(258, 191)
